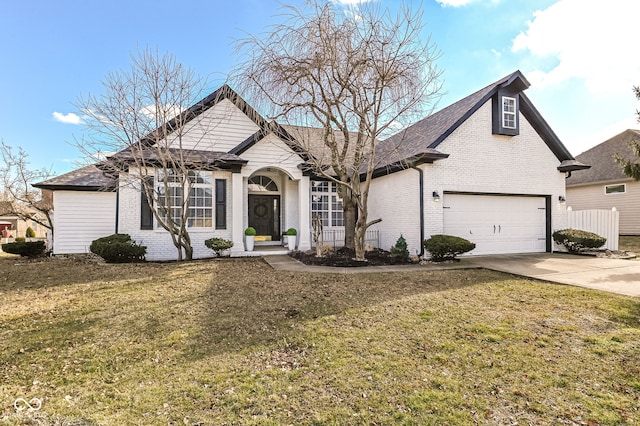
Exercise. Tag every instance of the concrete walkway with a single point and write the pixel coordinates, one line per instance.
(612, 275)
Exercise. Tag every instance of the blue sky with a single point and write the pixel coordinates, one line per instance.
(577, 54)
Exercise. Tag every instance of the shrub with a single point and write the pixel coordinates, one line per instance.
(250, 231)
(399, 251)
(20, 239)
(118, 248)
(574, 239)
(30, 233)
(447, 247)
(291, 231)
(26, 249)
(218, 245)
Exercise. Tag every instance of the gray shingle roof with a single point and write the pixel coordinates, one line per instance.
(88, 178)
(601, 157)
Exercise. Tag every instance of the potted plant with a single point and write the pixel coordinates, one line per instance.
(291, 238)
(249, 238)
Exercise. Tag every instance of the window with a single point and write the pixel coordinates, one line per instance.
(620, 188)
(171, 197)
(261, 184)
(326, 203)
(508, 112)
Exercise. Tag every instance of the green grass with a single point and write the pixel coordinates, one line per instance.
(629, 243)
(235, 342)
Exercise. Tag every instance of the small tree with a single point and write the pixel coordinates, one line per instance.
(356, 77)
(142, 116)
(631, 166)
(21, 199)
(399, 251)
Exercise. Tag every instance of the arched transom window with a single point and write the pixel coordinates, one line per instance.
(262, 184)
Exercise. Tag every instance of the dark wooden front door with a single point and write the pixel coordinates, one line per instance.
(264, 215)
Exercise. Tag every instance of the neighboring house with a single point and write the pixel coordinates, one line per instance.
(18, 227)
(605, 186)
(487, 168)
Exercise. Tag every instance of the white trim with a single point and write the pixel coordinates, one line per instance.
(623, 185)
(508, 111)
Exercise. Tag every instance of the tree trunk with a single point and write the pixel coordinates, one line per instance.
(350, 215)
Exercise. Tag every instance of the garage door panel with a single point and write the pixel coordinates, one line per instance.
(497, 224)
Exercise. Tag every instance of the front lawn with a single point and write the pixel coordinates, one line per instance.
(234, 342)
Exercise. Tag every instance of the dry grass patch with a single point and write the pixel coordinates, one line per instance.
(235, 342)
(630, 243)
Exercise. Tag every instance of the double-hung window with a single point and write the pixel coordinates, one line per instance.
(508, 112)
(198, 187)
(326, 203)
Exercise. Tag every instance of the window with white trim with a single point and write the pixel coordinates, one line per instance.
(508, 112)
(326, 203)
(200, 187)
(619, 188)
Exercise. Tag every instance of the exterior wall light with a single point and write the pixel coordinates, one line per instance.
(562, 199)
(436, 196)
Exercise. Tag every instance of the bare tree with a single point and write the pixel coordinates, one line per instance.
(24, 201)
(631, 167)
(142, 118)
(358, 75)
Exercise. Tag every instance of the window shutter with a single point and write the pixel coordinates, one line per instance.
(146, 214)
(221, 204)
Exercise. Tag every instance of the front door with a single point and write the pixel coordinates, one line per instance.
(264, 215)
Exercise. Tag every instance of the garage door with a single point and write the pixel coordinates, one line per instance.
(497, 224)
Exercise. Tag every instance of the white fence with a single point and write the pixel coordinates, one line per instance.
(605, 223)
(335, 237)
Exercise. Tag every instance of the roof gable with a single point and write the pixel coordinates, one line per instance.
(430, 132)
(604, 167)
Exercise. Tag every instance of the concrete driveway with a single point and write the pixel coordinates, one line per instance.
(612, 275)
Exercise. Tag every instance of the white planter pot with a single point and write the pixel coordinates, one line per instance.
(291, 242)
(249, 242)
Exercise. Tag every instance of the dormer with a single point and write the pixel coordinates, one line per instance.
(506, 113)
(506, 106)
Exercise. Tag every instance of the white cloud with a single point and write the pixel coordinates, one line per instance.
(70, 118)
(454, 3)
(589, 40)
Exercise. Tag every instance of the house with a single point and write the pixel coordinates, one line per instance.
(487, 168)
(605, 186)
(16, 225)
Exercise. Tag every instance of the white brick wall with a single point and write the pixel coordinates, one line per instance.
(478, 162)
(158, 241)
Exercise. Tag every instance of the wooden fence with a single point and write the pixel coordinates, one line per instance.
(605, 223)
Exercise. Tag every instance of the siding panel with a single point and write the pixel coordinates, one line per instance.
(80, 218)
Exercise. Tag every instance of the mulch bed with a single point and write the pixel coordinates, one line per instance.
(344, 257)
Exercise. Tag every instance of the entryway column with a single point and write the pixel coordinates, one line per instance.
(237, 209)
(304, 206)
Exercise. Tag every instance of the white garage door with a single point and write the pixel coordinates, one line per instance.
(497, 224)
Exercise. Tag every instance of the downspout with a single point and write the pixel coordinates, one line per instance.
(117, 207)
(421, 195)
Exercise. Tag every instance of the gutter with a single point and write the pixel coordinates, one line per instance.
(421, 195)
(117, 207)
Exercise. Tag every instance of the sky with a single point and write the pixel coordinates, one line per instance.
(578, 56)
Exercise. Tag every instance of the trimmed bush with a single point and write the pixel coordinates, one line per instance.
(291, 231)
(399, 251)
(218, 245)
(25, 248)
(575, 240)
(447, 247)
(20, 239)
(250, 231)
(30, 233)
(118, 248)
